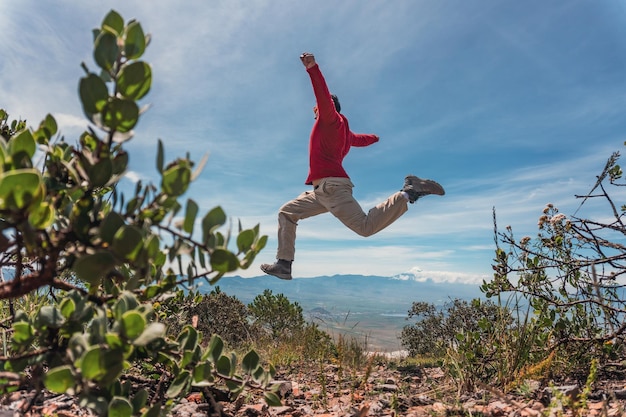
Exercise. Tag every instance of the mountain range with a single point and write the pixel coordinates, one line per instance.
(373, 309)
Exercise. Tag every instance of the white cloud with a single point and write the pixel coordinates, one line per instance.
(133, 177)
(419, 275)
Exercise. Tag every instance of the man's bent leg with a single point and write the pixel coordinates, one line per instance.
(342, 205)
(385, 213)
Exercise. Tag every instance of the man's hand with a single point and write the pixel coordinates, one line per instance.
(307, 59)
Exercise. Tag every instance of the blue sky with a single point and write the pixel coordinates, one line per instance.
(507, 104)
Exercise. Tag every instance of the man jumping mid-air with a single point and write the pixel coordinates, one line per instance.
(330, 141)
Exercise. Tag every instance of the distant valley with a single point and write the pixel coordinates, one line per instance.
(372, 309)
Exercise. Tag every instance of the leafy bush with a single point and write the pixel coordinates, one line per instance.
(277, 315)
(287, 336)
(68, 219)
(438, 330)
(214, 313)
(475, 341)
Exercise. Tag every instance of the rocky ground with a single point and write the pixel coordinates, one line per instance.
(379, 391)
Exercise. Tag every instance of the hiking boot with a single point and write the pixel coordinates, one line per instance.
(417, 187)
(280, 269)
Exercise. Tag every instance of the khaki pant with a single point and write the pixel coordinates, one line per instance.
(334, 195)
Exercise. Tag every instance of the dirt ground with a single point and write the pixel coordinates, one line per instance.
(335, 392)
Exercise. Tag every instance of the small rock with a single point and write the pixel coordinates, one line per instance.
(279, 411)
(284, 388)
(254, 410)
(620, 394)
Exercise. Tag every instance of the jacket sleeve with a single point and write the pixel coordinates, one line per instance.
(325, 105)
(361, 139)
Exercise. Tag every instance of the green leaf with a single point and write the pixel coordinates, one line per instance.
(103, 365)
(139, 400)
(201, 257)
(133, 324)
(224, 261)
(190, 216)
(179, 385)
(245, 240)
(23, 141)
(160, 156)
(114, 340)
(120, 114)
(223, 365)
(120, 407)
(101, 172)
(3, 153)
(203, 374)
(120, 162)
(134, 80)
(106, 50)
(50, 317)
(135, 42)
(126, 301)
(260, 375)
(211, 221)
(127, 242)
(60, 379)
(235, 389)
(214, 351)
(250, 362)
(93, 94)
(152, 246)
(92, 268)
(67, 307)
(92, 363)
(41, 216)
(110, 225)
(98, 404)
(188, 338)
(261, 243)
(176, 180)
(19, 188)
(22, 332)
(272, 399)
(114, 23)
(153, 332)
(47, 128)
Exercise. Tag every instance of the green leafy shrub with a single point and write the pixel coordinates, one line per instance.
(124, 255)
(277, 315)
(437, 330)
(213, 313)
(286, 336)
(468, 338)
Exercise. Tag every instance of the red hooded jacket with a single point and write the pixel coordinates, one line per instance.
(331, 137)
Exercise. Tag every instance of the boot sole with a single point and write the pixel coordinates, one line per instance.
(425, 186)
(265, 269)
